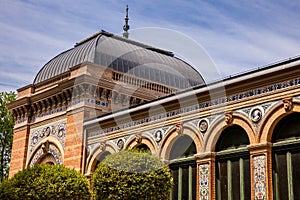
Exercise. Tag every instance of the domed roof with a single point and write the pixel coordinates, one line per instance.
(125, 56)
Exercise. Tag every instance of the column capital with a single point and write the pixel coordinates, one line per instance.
(259, 148)
(206, 156)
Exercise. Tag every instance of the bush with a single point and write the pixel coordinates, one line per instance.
(132, 175)
(46, 182)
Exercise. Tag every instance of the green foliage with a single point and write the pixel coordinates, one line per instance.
(6, 133)
(132, 175)
(46, 182)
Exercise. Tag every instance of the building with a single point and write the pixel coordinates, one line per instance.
(232, 139)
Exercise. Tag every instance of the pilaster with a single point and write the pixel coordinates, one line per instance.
(261, 171)
(205, 176)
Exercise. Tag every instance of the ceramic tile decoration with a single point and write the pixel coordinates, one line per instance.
(259, 164)
(204, 181)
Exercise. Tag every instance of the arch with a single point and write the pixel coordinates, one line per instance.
(219, 125)
(38, 149)
(96, 154)
(144, 140)
(232, 137)
(184, 146)
(48, 158)
(173, 134)
(272, 118)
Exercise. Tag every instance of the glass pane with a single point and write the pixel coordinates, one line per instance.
(281, 171)
(222, 177)
(235, 176)
(194, 174)
(247, 187)
(185, 182)
(296, 174)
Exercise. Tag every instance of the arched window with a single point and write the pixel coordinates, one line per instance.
(183, 167)
(233, 165)
(143, 147)
(286, 158)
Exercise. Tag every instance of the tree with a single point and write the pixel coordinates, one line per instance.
(132, 175)
(45, 181)
(6, 133)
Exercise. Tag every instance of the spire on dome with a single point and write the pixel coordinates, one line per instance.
(126, 26)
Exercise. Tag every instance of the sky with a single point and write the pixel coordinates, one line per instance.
(237, 35)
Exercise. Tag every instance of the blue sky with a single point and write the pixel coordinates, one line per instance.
(238, 35)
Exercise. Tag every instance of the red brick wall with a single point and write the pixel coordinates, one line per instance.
(19, 151)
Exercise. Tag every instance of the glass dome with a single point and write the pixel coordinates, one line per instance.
(125, 56)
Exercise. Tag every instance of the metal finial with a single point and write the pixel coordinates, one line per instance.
(126, 26)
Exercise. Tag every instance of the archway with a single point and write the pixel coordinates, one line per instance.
(233, 164)
(286, 157)
(183, 167)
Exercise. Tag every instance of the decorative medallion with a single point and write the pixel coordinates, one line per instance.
(256, 114)
(120, 144)
(158, 135)
(203, 125)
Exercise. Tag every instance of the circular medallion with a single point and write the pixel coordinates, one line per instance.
(158, 135)
(48, 131)
(203, 125)
(61, 131)
(120, 144)
(256, 114)
(35, 138)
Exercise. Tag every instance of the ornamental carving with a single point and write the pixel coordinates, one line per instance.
(56, 130)
(228, 117)
(287, 104)
(44, 150)
(138, 138)
(102, 146)
(179, 127)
